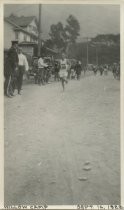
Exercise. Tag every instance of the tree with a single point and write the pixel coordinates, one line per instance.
(72, 29)
(62, 36)
(57, 34)
(49, 43)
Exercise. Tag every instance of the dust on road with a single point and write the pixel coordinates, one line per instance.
(64, 147)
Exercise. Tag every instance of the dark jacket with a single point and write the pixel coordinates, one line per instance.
(11, 61)
(78, 68)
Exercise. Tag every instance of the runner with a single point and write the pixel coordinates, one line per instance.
(63, 71)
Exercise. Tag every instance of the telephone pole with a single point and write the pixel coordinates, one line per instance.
(39, 30)
(87, 53)
(96, 56)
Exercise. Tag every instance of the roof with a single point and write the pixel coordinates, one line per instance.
(16, 27)
(21, 21)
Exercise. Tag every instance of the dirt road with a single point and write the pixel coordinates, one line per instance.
(63, 148)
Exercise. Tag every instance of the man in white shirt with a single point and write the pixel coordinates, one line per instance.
(22, 67)
(42, 71)
(41, 63)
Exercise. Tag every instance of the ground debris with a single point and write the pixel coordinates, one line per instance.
(39, 164)
(52, 182)
(82, 178)
(87, 163)
(87, 168)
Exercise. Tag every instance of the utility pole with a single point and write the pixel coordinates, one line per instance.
(96, 56)
(96, 52)
(87, 41)
(39, 30)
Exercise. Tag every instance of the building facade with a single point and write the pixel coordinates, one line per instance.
(23, 29)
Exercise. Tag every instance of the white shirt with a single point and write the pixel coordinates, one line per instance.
(23, 61)
(64, 64)
(41, 63)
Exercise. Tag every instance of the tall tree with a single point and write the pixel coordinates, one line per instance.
(72, 29)
(62, 36)
(57, 34)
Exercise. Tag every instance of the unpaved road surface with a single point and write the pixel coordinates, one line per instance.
(64, 147)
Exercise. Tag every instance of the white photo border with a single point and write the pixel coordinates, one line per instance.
(78, 206)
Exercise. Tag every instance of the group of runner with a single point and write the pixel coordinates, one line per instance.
(105, 68)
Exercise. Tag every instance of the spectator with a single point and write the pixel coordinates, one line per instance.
(10, 69)
(78, 69)
(41, 69)
(22, 67)
(56, 71)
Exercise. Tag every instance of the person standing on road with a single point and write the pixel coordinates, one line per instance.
(106, 70)
(10, 66)
(95, 69)
(63, 73)
(41, 70)
(72, 74)
(22, 67)
(56, 71)
(101, 69)
(78, 69)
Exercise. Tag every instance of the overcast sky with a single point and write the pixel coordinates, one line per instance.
(93, 19)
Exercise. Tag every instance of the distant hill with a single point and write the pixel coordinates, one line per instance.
(104, 48)
(107, 39)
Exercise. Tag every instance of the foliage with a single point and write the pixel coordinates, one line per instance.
(61, 35)
(57, 34)
(72, 29)
(106, 38)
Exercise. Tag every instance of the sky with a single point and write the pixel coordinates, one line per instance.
(93, 19)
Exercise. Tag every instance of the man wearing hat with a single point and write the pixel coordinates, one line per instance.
(10, 69)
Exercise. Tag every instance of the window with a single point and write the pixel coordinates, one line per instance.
(31, 39)
(25, 37)
(16, 35)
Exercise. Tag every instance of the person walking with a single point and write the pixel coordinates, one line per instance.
(10, 65)
(22, 67)
(63, 73)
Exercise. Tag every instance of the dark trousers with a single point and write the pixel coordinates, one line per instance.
(56, 75)
(9, 84)
(20, 77)
(40, 76)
